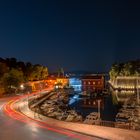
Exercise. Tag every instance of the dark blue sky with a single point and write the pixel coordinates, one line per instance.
(74, 34)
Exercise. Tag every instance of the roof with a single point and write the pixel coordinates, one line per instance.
(92, 77)
(51, 78)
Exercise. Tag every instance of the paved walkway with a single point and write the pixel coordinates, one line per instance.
(99, 131)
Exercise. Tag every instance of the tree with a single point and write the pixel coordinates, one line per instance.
(21, 66)
(12, 80)
(39, 72)
(11, 62)
(28, 71)
(115, 70)
(13, 72)
(36, 72)
(127, 69)
(3, 69)
(44, 73)
(131, 68)
(60, 72)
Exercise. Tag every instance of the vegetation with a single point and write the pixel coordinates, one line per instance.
(12, 79)
(13, 72)
(131, 68)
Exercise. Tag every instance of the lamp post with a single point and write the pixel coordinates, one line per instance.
(28, 98)
(99, 109)
(22, 88)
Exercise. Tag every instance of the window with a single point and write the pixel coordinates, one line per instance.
(93, 83)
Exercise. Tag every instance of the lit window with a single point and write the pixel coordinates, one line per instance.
(93, 83)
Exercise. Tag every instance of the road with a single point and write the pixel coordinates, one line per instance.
(18, 127)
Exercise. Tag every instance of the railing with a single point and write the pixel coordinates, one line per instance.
(42, 99)
(108, 124)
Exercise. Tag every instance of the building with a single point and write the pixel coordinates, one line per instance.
(75, 83)
(62, 81)
(93, 83)
(34, 85)
(125, 84)
(51, 80)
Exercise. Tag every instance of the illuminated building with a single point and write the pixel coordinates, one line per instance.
(35, 85)
(125, 84)
(62, 81)
(51, 80)
(93, 83)
(75, 83)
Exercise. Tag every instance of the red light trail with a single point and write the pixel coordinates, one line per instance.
(11, 112)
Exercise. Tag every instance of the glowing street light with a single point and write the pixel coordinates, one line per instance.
(22, 86)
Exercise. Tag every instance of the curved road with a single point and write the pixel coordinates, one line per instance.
(18, 127)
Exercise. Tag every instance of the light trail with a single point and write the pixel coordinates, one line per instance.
(14, 114)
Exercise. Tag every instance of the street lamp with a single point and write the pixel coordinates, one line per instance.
(22, 88)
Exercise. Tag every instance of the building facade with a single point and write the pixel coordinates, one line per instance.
(75, 83)
(125, 84)
(93, 83)
(51, 80)
(62, 82)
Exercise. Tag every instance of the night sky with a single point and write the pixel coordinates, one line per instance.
(73, 34)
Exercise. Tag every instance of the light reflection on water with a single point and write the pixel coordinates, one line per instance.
(108, 113)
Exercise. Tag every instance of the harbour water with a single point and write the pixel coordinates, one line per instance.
(108, 109)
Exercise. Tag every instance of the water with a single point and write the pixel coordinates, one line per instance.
(108, 113)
